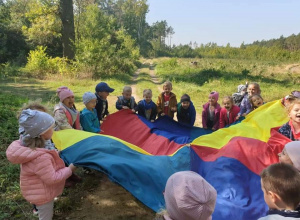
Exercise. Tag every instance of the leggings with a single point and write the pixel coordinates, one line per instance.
(46, 211)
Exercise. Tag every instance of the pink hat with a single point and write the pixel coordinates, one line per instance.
(189, 196)
(215, 95)
(293, 150)
(64, 92)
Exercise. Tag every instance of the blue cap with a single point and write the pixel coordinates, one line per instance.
(103, 87)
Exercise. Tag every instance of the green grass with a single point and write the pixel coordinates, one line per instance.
(276, 81)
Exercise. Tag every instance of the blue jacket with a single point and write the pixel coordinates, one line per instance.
(89, 121)
(143, 108)
(186, 116)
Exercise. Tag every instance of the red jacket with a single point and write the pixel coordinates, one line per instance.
(224, 120)
(43, 172)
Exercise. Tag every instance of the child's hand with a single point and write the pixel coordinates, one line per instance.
(152, 121)
(73, 168)
(174, 109)
(237, 117)
(162, 114)
(213, 129)
(205, 127)
(244, 114)
(125, 107)
(132, 110)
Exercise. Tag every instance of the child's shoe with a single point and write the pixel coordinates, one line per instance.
(35, 212)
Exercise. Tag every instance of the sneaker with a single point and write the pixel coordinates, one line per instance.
(35, 212)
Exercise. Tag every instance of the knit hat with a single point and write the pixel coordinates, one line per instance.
(241, 88)
(296, 94)
(185, 98)
(64, 92)
(103, 87)
(215, 95)
(87, 97)
(293, 150)
(189, 196)
(35, 122)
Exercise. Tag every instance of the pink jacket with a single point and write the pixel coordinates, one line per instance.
(224, 120)
(43, 172)
(205, 115)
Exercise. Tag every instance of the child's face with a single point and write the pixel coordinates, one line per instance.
(167, 89)
(103, 95)
(257, 101)
(127, 95)
(284, 157)
(212, 101)
(48, 134)
(69, 102)
(268, 196)
(252, 90)
(227, 104)
(91, 104)
(185, 104)
(148, 97)
(294, 114)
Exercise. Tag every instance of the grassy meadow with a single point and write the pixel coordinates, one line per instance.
(276, 80)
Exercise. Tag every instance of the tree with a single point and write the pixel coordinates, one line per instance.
(68, 30)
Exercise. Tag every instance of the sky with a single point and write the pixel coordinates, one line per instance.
(226, 21)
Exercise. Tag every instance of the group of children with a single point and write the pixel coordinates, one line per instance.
(44, 173)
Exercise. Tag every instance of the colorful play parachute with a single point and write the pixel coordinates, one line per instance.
(140, 156)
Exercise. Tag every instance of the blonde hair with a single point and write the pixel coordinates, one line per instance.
(256, 85)
(290, 107)
(147, 92)
(33, 105)
(127, 89)
(167, 83)
(37, 142)
(230, 99)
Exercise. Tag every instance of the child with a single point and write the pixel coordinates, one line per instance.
(102, 91)
(229, 112)
(189, 196)
(186, 113)
(292, 128)
(65, 114)
(43, 173)
(291, 154)
(88, 117)
(211, 112)
(287, 100)
(126, 101)
(245, 106)
(166, 102)
(256, 101)
(147, 107)
(280, 184)
(241, 92)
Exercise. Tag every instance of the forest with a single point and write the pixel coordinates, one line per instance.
(104, 37)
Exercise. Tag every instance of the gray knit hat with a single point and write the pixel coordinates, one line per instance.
(87, 97)
(35, 122)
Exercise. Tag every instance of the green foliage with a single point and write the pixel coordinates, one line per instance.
(101, 49)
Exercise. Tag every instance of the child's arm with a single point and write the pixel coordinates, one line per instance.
(193, 116)
(222, 119)
(174, 104)
(217, 121)
(119, 105)
(48, 174)
(159, 103)
(153, 113)
(204, 118)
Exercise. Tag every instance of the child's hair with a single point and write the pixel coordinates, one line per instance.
(167, 83)
(230, 99)
(290, 107)
(127, 89)
(147, 92)
(256, 85)
(33, 105)
(284, 180)
(251, 99)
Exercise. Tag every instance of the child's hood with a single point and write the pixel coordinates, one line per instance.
(18, 154)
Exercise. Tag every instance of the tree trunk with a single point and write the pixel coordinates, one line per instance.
(68, 30)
